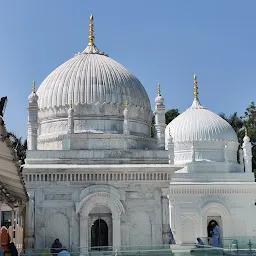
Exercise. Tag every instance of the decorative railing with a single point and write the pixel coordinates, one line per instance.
(140, 176)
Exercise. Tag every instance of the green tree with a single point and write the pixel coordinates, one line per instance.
(249, 120)
(234, 120)
(237, 123)
(169, 116)
(19, 146)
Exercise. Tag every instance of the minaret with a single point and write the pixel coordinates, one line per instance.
(247, 148)
(170, 148)
(126, 130)
(160, 119)
(71, 118)
(32, 119)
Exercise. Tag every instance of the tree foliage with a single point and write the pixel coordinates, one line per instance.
(169, 116)
(239, 124)
(19, 146)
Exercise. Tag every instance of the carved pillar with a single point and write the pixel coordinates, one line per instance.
(30, 222)
(165, 218)
(71, 119)
(116, 233)
(84, 230)
(126, 130)
(226, 158)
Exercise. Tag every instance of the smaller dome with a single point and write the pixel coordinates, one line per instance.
(202, 135)
(33, 96)
(159, 100)
(200, 124)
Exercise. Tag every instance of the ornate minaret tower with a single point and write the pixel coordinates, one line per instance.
(160, 119)
(32, 119)
(247, 148)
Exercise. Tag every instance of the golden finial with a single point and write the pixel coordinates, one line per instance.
(34, 86)
(195, 88)
(159, 89)
(126, 104)
(91, 36)
(245, 131)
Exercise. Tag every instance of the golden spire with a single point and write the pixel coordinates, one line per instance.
(126, 104)
(91, 36)
(34, 86)
(195, 88)
(158, 89)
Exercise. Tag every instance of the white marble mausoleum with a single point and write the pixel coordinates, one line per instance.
(96, 177)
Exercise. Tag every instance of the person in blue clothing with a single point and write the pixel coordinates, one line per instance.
(215, 235)
(171, 240)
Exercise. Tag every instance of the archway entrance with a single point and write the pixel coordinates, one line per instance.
(99, 234)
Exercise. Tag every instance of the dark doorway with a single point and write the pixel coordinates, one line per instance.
(99, 235)
(210, 227)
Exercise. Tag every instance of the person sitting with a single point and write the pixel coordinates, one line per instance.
(200, 243)
(56, 247)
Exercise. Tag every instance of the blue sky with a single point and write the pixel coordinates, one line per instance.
(158, 41)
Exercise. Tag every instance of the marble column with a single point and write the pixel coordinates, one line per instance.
(165, 218)
(84, 230)
(116, 233)
(30, 222)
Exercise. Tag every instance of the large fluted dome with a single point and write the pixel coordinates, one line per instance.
(91, 78)
(199, 129)
(98, 87)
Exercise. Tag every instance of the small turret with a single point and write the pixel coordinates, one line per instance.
(32, 119)
(241, 156)
(160, 119)
(126, 130)
(170, 148)
(71, 118)
(247, 148)
(193, 152)
(226, 159)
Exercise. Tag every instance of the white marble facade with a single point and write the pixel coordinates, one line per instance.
(91, 160)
